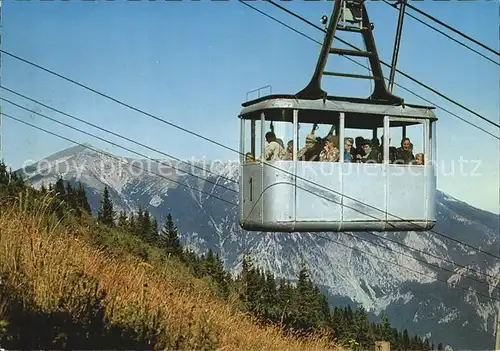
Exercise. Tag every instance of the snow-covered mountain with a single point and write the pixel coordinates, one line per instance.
(352, 268)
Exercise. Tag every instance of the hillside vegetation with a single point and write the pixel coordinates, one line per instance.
(58, 291)
(70, 280)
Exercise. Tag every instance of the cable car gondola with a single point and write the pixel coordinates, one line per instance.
(292, 195)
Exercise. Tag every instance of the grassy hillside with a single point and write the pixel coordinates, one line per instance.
(70, 280)
(59, 290)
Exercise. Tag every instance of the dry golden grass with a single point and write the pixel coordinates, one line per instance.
(45, 262)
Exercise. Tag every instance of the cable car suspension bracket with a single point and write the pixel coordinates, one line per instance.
(397, 41)
(351, 16)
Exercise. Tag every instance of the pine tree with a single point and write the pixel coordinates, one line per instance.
(306, 313)
(71, 198)
(60, 189)
(397, 339)
(256, 291)
(145, 223)
(131, 224)
(59, 206)
(122, 220)
(191, 259)
(406, 340)
(153, 231)
(415, 343)
(222, 277)
(106, 213)
(286, 303)
(137, 223)
(251, 285)
(337, 323)
(169, 239)
(145, 230)
(361, 326)
(348, 322)
(4, 174)
(82, 200)
(323, 308)
(385, 328)
(210, 263)
(243, 277)
(270, 298)
(349, 315)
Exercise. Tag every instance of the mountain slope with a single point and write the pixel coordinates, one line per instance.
(368, 274)
(70, 283)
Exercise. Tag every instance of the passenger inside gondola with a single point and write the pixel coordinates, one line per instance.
(249, 157)
(419, 159)
(273, 150)
(404, 154)
(330, 152)
(371, 154)
(348, 156)
(312, 149)
(358, 148)
(280, 141)
(289, 151)
(375, 144)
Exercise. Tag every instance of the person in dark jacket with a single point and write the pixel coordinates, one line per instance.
(371, 154)
(348, 153)
(375, 144)
(404, 154)
(358, 148)
(352, 149)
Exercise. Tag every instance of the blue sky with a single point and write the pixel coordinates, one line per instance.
(192, 63)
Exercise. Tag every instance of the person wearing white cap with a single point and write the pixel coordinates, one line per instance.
(310, 144)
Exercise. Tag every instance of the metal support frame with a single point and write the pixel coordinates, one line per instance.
(243, 150)
(314, 91)
(295, 161)
(397, 41)
(262, 136)
(295, 133)
(258, 90)
(242, 160)
(252, 146)
(433, 131)
(341, 135)
(427, 142)
(386, 140)
(262, 160)
(349, 75)
(1, 105)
